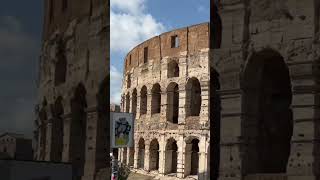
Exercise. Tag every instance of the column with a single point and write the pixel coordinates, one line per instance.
(204, 111)
(136, 153)
(147, 157)
(149, 102)
(202, 170)
(138, 104)
(182, 103)
(164, 104)
(66, 137)
(48, 141)
(181, 160)
(162, 158)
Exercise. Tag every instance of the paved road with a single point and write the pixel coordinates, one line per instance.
(136, 176)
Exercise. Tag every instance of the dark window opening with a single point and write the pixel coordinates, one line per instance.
(130, 60)
(174, 41)
(129, 81)
(145, 53)
(64, 5)
(50, 11)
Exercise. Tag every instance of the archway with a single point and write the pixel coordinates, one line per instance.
(134, 101)
(78, 130)
(193, 97)
(57, 130)
(154, 155)
(173, 103)
(171, 156)
(141, 153)
(156, 99)
(191, 157)
(128, 103)
(173, 69)
(143, 100)
(61, 64)
(267, 99)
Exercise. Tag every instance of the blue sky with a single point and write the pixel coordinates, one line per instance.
(134, 21)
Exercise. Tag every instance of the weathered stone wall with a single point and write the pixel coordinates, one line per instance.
(193, 66)
(75, 45)
(289, 28)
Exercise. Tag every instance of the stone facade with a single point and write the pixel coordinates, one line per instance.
(166, 86)
(267, 74)
(73, 86)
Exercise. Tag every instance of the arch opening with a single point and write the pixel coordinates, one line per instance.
(266, 104)
(192, 157)
(171, 156)
(173, 103)
(156, 99)
(154, 155)
(128, 103)
(134, 101)
(193, 97)
(141, 153)
(57, 128)
(173, 69)
(78, 130)
(143, 100)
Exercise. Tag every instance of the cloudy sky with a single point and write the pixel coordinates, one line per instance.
(133, 21)
(20, 39)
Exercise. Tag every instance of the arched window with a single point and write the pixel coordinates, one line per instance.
(51, 8)
(61, 65)
(134, 101)
(143, 100)
(129, 81)
(127, 102)
(156, 99)
(64, 5)
(173, 103)
(193, 97)
(173, 69)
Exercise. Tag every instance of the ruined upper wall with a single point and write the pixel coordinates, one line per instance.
(59, 13)
(191, 39)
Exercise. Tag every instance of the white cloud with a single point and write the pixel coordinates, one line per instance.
(130, 25)
(115, 85)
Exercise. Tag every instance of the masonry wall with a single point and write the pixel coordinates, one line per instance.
(289, 28)
(75, 44)
(151, 128)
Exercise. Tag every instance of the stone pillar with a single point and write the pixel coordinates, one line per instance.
(204, 111)
(91, 144)
(147, 156)
(182, 103)
(66, 138)
(187, 160)
(138, 104)
(162, 157)
(164, 104)
(128, 156)
(136, 153)
(48, 141)
(119, 154)
(149, 103)
(202, 170)
(181, 157)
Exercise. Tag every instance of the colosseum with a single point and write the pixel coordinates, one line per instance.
(251, 77)
(166, 84)
(73, 87)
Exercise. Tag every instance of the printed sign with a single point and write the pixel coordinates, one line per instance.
(121, 130)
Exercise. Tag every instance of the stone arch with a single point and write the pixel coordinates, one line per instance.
(57, 130)
(103, 107)
(43, 116)
(191, 156)
(61, 64)
(173, 102)
(143, 100)
(134, 101)
(78, 129)
(128, 103)
(193, 97)
(128, 80)
(154, 155)
(141, 152)
(171, 156)
(266, 99)
(156, 99)
(173, 69)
